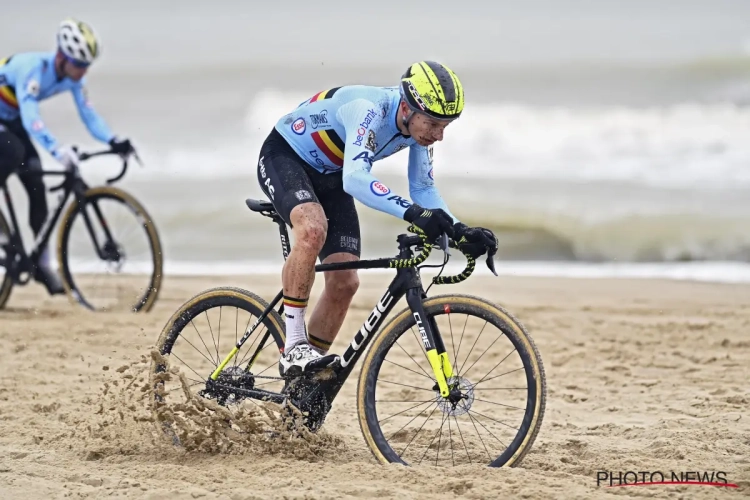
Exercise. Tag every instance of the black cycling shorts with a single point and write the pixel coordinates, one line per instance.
(289, 181)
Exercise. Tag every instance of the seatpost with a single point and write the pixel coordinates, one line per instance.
(284, 236)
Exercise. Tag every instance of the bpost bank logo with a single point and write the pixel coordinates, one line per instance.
(364, 126)
(298, 127)
(318, 161)
(379, 188)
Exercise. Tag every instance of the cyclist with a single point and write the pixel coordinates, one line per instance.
(25, 80)
(317, 160)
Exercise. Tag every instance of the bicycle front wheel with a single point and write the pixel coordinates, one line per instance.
(109, 252)
(498, 389)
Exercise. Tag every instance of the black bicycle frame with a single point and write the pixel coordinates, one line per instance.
(71, 184)
(16, 243)
(407, 282)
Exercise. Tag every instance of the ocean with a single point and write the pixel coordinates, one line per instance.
(600, 138)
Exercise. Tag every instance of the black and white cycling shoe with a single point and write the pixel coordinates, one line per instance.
(302, 359)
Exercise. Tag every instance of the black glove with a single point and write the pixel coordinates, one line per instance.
(474, 241)
(121, 147)
(431, 223)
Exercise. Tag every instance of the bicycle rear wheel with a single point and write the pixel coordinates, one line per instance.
(98, 254)
(402, 415)
(197, 338)
(6, 285)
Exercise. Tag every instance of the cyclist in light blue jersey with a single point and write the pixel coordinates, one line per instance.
(25, 80)
(318, 159)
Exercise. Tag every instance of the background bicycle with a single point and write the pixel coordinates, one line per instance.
(104, 232)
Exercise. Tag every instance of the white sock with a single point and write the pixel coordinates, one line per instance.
(294, 310)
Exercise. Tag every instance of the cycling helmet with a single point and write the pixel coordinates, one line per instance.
(433, 89)
(78, 42)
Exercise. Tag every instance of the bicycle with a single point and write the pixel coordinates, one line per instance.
(452, 391)
(20, 265)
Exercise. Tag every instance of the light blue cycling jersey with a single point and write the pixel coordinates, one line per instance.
(30, 77)
(348, 128)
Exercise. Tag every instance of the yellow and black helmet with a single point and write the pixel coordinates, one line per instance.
(433, 89)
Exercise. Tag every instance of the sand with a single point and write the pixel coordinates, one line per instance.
(642, 376)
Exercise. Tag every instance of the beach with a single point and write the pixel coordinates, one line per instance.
(604, 143)
(642, 375)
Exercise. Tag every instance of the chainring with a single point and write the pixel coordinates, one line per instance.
(308, 397)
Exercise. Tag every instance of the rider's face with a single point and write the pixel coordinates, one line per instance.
(74, 72)
(68, 68)
(426, 130)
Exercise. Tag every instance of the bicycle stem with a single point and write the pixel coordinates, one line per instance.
(426, 250)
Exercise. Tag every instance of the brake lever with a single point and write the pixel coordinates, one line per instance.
(491, 262)
(137, 158)
(443, 244)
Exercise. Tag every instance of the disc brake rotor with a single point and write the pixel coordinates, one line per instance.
(460, 399)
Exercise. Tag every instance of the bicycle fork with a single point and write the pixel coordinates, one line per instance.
(108, 251)
(432, 341)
